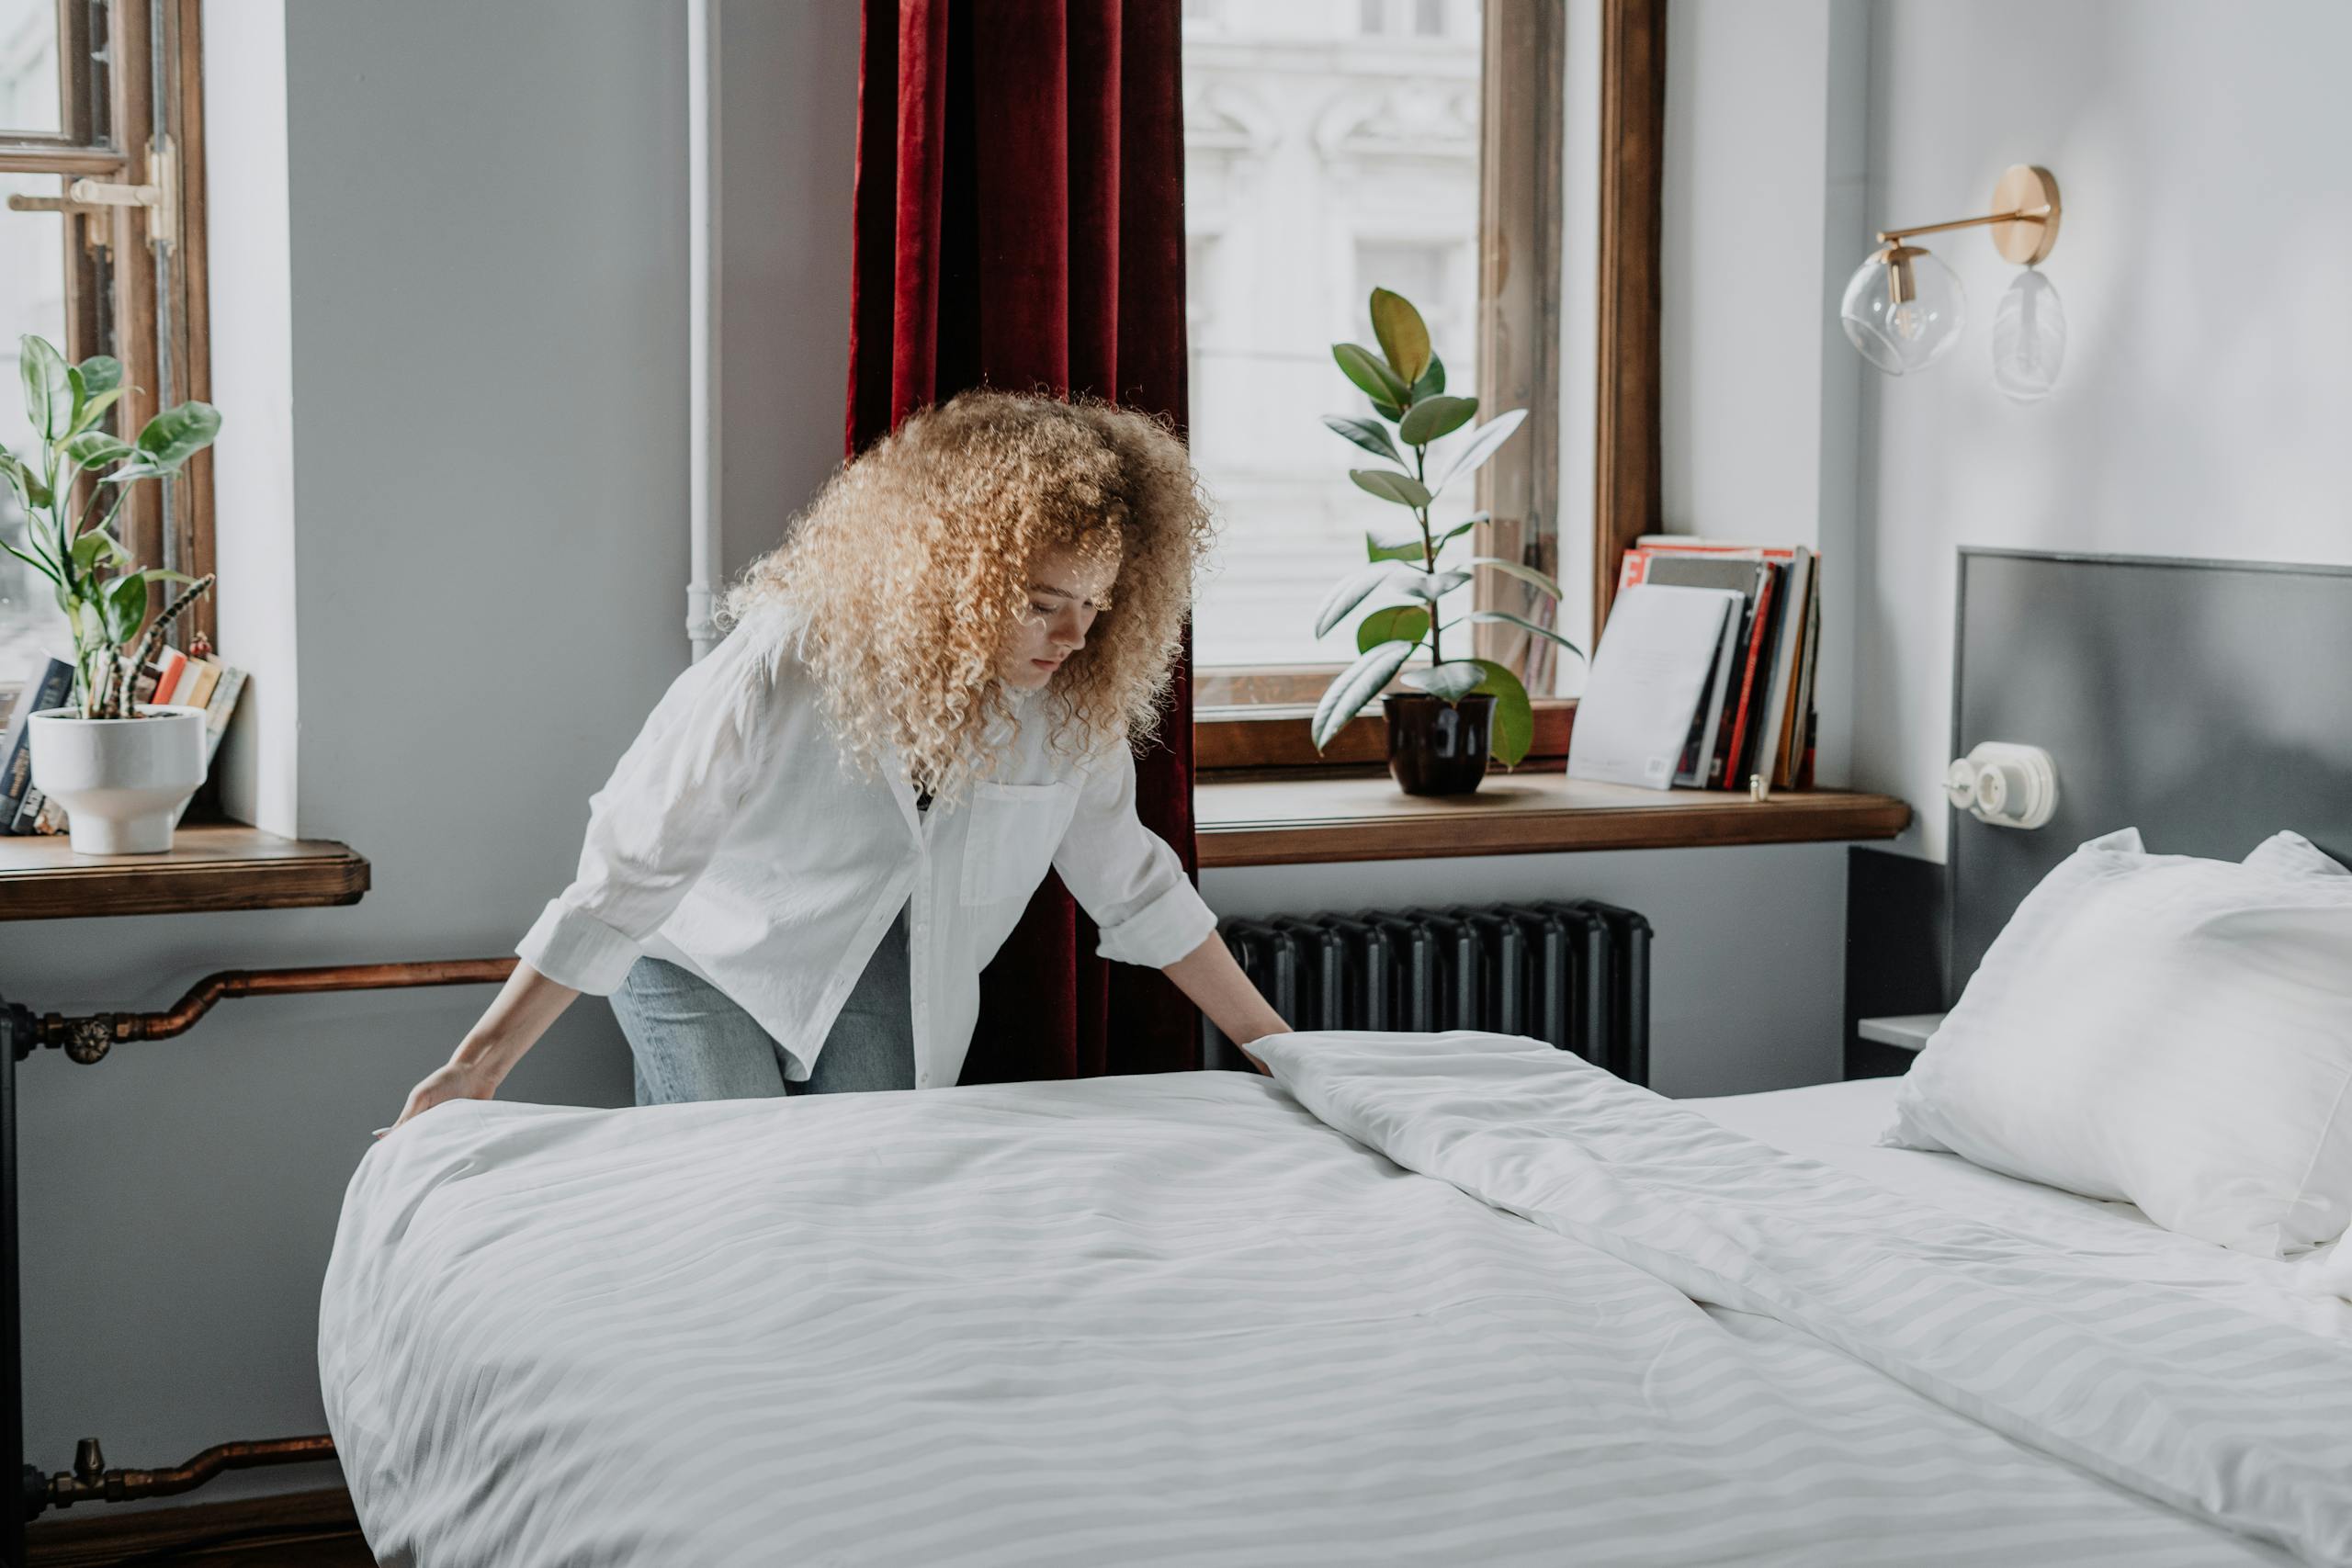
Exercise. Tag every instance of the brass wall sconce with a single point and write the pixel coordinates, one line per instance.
(1904, 309)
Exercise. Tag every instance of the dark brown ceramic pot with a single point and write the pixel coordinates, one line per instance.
(1437, 747)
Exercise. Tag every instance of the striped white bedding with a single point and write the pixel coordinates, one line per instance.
(1196, 1320)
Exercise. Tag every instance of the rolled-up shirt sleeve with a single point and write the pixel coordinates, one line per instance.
(1124, 876)
(652, 828)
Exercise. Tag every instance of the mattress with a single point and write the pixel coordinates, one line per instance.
(1422, 1299)
(1839, 1124)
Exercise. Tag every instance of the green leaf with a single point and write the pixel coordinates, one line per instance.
(1375, 379)
(1434, 417)
(1402, 488)
(49, 393)
(1357, 685)
(100, 373)
(1464, 527)
(161, 574)
(96, 409)
(38, 565)
(1407, 548)
(1523, 623)
(89, 547)
(29, 486)
(1449, 681)
(1514, 725)
(126, 601)
(1526, 574)
(1432, 380)
(1373, 438)
(1404, 337)
(175, 435)
(1428, 585)
(1389, 411)
(95, 449)
(1350, 592)
(1392, 623)
(1479, 445)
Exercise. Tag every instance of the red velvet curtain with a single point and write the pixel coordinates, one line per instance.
(1020, 223)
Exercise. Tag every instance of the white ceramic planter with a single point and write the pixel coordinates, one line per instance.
(122, 780)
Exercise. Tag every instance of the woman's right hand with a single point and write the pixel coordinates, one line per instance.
(525, 1006)
(457, 1080)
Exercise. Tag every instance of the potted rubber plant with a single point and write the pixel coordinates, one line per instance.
(121, 768)
(1461, 710)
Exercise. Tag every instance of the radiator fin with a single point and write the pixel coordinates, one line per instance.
(1575, 974)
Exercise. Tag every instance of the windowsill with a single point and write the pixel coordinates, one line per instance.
(1328, 818)
(210, 866)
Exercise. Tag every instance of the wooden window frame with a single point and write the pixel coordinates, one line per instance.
(1257, 716)
(158, 305)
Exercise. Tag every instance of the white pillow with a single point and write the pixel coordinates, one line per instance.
(2168, 1031)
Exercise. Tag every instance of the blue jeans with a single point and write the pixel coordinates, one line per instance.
(692, 1043)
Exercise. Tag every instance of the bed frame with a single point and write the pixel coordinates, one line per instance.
(2207, 703)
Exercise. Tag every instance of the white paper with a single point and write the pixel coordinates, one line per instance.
(1648, 678)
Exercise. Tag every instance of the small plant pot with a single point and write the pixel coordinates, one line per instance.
(121, 779)
(1435, 747)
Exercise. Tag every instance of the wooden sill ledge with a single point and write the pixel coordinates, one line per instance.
(210, 866)
(1296, 821)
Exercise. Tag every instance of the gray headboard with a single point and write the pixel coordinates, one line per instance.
(2207, 704)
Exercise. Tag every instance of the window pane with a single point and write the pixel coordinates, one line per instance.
(1319, 162)
(28, 66)
(32, 299)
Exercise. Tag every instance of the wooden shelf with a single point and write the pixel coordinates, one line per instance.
(1294, 821)
(215, 866)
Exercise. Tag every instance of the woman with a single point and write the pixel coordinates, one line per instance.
(830, 824)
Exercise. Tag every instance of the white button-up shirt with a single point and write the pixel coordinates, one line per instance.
(733, 840)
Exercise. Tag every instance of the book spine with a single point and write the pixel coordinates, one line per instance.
(217, 713)
(54, 689)
(171, 669)
(1759, 635)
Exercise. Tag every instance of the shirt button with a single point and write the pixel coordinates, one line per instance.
(922, 1080)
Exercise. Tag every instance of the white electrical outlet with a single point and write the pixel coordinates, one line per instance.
(2004, 784)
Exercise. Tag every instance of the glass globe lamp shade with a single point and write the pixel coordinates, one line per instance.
(1904, 309)
(2029, 338)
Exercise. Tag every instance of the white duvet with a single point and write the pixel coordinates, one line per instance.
(1453, 1298)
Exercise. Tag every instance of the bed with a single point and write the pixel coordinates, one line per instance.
(1422, 1299)
(1418, 1299)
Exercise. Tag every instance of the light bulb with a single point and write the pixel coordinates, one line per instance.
(1903, 309)
(2029, 338)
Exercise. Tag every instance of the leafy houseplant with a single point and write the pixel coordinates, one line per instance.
(1459, 698)
(121, 770)
(105, 601)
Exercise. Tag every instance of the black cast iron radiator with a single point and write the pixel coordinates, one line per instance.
(1576, 974)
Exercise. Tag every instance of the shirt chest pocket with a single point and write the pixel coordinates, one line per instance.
(1015, 830)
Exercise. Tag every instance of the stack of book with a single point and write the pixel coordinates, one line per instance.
(1765, 724)
(175, 678)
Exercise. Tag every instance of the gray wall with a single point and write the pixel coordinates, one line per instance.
(488, 333)
(480, 488)
(2206, 392)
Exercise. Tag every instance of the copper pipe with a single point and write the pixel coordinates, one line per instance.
(88, 1039)
(90, 1481)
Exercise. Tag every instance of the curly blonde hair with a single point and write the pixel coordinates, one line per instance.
(910, 574)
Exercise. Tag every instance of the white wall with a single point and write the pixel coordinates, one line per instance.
(481, 308)
(1763, 174)
(2207, 396)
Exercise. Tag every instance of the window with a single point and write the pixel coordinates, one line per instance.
(95, 96)
(1324, 159)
